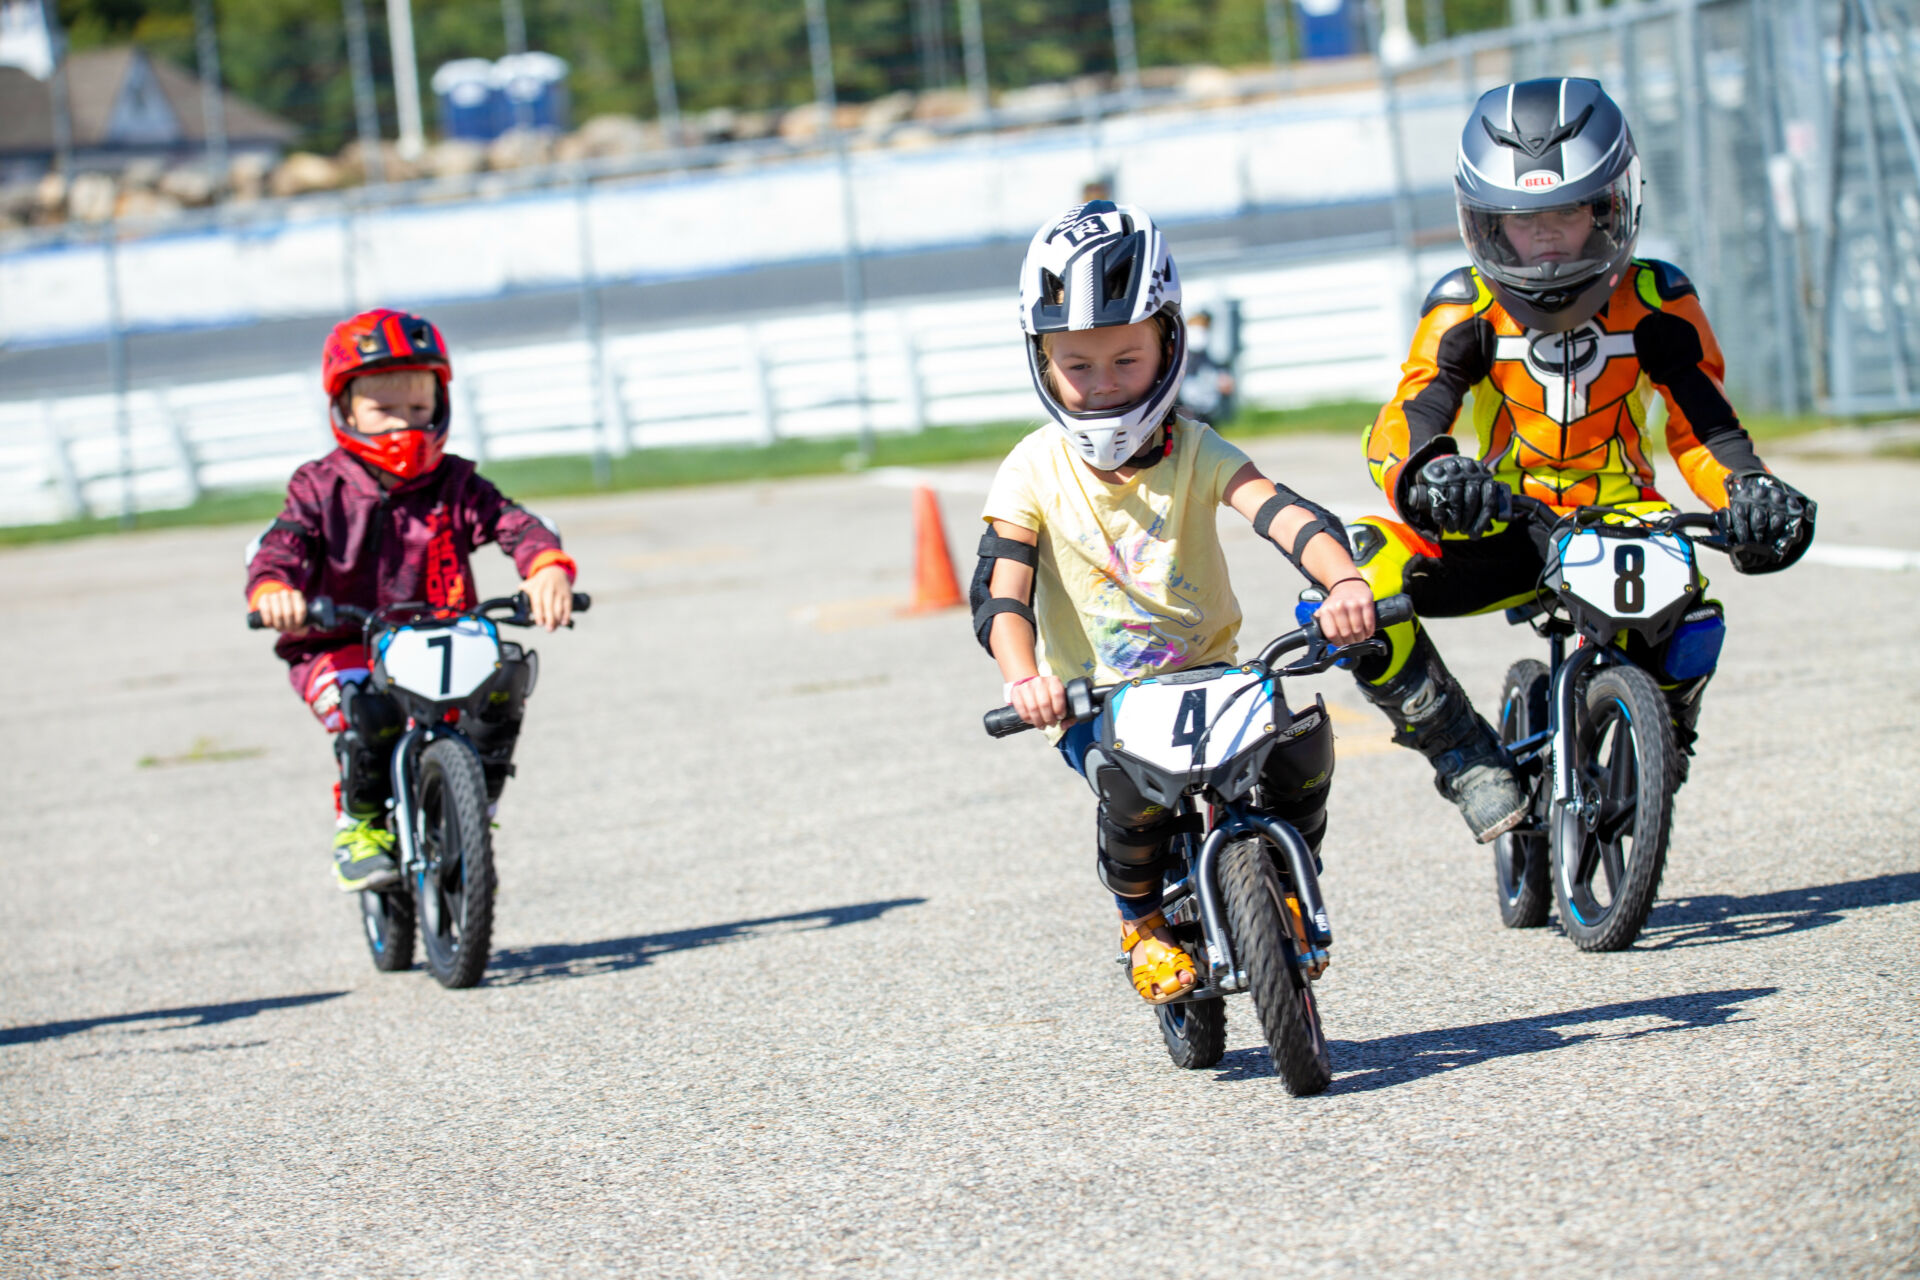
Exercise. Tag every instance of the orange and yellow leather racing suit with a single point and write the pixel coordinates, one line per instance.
(1561, 417)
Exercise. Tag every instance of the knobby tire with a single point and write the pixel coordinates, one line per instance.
(1623, 753)
(454, 887)
(1522, 879)
(1263, 947)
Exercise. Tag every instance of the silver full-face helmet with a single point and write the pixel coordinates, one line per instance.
(1103, 265)
(1545, 154)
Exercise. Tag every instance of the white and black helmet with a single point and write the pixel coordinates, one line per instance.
(1101, 266)
(1540, 146)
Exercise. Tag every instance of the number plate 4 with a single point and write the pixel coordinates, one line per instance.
(1162, 723)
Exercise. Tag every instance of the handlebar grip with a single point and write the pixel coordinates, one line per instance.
(582, 602)
(1004, 722)
(254, 623)
(1392, 611)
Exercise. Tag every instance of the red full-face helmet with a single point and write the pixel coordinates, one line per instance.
(384, 341)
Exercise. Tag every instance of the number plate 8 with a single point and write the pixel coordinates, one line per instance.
(1626, 577)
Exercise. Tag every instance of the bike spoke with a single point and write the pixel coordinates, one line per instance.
(1614, 866)
(1583, 870)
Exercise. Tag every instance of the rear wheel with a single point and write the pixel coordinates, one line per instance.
(1610, 847)
(387, 917)
(1521, 876)
(453, 886)
(1263, 945)
(1195, 1030)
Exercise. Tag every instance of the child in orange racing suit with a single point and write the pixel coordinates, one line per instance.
(1560, 337)
(387, 517)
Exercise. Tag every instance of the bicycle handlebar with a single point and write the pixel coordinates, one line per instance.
(323, 613)
(1084, 700)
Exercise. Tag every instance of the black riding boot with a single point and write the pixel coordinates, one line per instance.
(1431, 713)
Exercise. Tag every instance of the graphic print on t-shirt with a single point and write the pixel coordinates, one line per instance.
(1125, 633)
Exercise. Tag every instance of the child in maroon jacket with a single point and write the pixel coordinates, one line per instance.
(388, 517)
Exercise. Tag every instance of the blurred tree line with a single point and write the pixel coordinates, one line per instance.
(290, 56)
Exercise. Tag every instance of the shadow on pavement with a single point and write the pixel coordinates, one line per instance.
(586, 959)
(1362, 1065)
(204, 1015)
(1721, 917)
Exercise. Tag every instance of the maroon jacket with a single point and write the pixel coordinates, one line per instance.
(341, 535)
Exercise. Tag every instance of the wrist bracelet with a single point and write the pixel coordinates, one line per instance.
(1355, 578)
(1006, 690)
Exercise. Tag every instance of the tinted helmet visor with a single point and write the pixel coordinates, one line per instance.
(1551, 250)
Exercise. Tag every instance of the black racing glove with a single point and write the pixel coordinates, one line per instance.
(1768, 521)
(1459, 495)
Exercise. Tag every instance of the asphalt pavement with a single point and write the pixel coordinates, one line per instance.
(798, 973)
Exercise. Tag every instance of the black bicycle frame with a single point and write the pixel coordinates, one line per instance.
(1234, 821)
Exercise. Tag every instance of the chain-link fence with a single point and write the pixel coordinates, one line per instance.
(1782, 172)
(1782, 166)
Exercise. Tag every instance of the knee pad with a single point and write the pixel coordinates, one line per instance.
(1134, 836)
(1298, 773)
(372, 715)
(364, 782)
(364, 746)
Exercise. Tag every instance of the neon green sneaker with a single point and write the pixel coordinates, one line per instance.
(363, 857)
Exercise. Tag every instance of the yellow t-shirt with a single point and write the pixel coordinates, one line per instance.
(1131, 580)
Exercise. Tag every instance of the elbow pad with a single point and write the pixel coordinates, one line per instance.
(1324, 521)
(987, 606)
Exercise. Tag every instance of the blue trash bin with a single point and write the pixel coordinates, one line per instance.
(464, 91)
(1330, 28)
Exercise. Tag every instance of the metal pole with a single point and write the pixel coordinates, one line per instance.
(930, 34)
(1402, 195)
(366, 111)
(595, 333)
(1279, 32)
(62, 102)
(1899, 353)
(1896, 91)
(1833, 372)
(666, 98)
(1780, 266)
(1126, 54)
(1693, 143)
(1436, 14)
(406, 79)
(117, 374)
(1395, 44)
(212, 109)
(516, 23)
(820, 45)
(973, 38)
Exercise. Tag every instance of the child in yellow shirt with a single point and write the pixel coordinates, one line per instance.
(1103, 559)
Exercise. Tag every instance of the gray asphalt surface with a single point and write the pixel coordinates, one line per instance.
(276, 346)
(798, 973)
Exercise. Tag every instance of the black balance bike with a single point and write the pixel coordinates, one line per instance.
(1242, 893)
(1590, 730)
(444, 669)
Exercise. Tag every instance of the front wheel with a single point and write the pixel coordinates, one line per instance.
(1263, 945)
(1610, 842)
(453, 885)
(387, 917)
(1520, 873)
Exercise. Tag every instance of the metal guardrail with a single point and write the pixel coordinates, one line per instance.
(1309, 331)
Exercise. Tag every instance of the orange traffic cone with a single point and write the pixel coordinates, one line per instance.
(934, 585)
